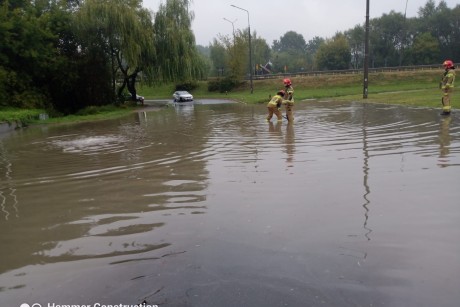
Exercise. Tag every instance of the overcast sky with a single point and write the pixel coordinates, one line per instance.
(272, 19)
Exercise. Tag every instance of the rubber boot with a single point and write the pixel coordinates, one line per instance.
(445, 110)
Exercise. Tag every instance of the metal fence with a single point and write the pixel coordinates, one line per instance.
(346, 71)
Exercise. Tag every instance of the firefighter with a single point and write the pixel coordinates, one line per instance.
(289, 99)
(274, 105)
(447, 85)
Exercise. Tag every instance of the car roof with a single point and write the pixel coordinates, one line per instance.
(182, 92)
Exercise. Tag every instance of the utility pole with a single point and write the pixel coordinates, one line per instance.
(366, 54)
(403, 38)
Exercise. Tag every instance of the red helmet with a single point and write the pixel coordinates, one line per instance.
(448, 64)
(287, 82)
(281, 92)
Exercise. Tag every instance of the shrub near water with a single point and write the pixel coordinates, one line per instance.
(223, 85)
(24, 116)
(96, 110)
(187, 86)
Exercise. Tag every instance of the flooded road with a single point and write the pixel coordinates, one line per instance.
(209, 205)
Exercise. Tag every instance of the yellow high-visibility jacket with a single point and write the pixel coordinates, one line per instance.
(289, 93)
(448, 79)
(276, 101)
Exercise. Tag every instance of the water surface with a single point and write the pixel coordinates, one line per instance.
(209, 205)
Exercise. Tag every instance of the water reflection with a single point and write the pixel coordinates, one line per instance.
(289, 142)
(367, 190)
(185, 108)
(275, 128)
(8, 197)
(444, 141)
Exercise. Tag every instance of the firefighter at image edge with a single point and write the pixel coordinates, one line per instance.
(447, 85)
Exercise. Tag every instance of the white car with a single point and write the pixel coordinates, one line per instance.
(140, 99)
(182, 96)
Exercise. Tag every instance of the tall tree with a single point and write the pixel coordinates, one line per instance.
(261, 51)
(334, 53)
(124, 30)
(312, 47)
(30, 52)
(290, 41)
(230, 54)
(442, 23)
(177, 55)
(237, 54)
(290, 53)
(386, 39)
(425, 49)
(355, 39)
(218, 55)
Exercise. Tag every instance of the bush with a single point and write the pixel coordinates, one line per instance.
(187, 86)
(92, 110)
(222, 85)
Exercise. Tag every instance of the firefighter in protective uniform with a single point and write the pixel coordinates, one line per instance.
(289, 99)
(447, 85)
(274, 106)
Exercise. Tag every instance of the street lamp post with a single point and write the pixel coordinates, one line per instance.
(366, 54)
(233, 27)
(403, 38)
(250, 48)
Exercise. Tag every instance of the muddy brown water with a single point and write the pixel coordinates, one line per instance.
(209, 205)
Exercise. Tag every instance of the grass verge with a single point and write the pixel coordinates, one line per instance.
(415, 88)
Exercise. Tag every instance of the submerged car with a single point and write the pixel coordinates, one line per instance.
(182, 96)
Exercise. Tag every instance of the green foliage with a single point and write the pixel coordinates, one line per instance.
(26, 52)
(312, 47)
(290, 41)
(186, 86)
(386, 39)
(230, 55)
(238, 60)
(219, 55)
(122, 31)
(223, 85)
(178, 58)
(92, 110)
(261, 51)
(355, 39)
(425, 49)
(290, 53)
(334, 54)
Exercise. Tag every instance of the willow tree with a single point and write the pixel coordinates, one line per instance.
(124, 30)
(176, 53)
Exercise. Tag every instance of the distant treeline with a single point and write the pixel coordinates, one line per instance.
(429, 38)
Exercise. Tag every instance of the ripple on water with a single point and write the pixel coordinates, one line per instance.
(351, 197)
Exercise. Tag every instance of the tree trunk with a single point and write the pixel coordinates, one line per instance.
(131, 83)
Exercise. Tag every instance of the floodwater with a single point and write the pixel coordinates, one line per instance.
(209, 205)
